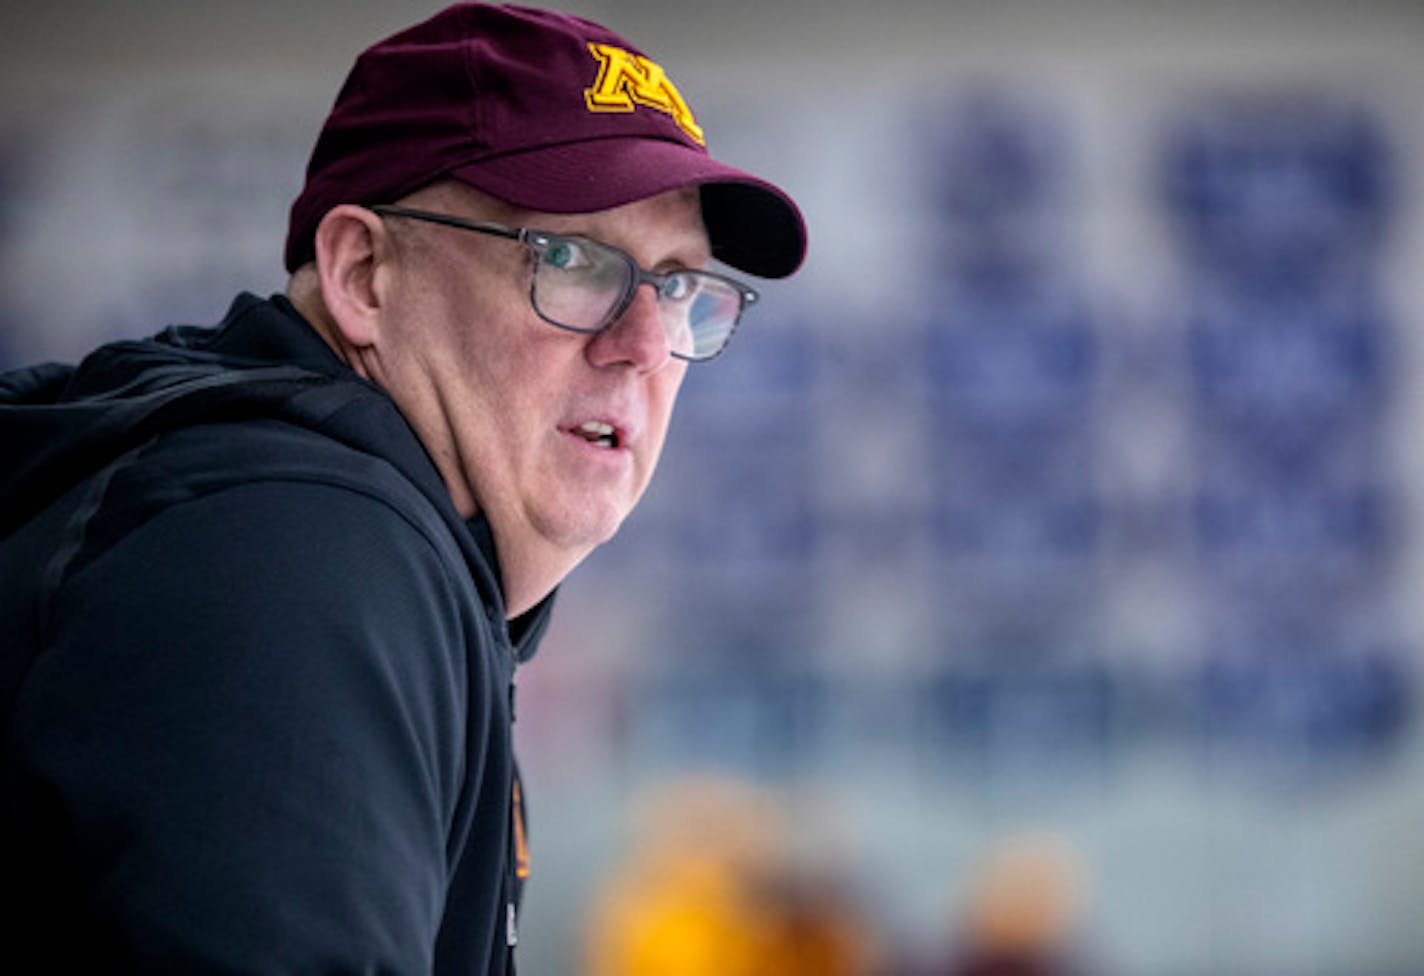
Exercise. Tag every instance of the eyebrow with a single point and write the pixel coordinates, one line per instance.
(692, 254)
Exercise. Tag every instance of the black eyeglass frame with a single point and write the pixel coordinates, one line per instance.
(538, 241)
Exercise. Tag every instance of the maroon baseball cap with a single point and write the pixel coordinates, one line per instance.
(542, 110)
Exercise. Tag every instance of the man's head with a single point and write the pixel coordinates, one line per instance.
(489, 196)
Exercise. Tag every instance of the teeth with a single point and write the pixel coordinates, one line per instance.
(598, 432)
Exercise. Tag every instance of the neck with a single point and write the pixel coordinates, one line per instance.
(529, 573)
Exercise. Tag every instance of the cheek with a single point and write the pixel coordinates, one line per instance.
(481, 348)
(662, 397)
(515, 384)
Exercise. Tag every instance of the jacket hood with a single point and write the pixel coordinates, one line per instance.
(60, 424)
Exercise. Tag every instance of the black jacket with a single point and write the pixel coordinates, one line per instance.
(255, 677)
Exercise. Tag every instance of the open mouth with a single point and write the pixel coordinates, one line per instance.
(598, 432)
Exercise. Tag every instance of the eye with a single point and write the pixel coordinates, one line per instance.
(679, 287)
(566, 254)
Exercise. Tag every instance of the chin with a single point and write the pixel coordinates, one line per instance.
(583, 529)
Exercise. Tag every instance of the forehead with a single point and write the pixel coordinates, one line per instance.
(656, 229)
(667, 227)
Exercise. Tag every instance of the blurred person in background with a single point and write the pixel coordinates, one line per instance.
(266, 584)
(1023, 913)
(709, 888)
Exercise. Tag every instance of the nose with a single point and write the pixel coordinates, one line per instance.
(637, 336)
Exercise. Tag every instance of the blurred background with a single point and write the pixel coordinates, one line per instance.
(1030, 588)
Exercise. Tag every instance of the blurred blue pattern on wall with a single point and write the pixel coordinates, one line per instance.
(1275, 351)
(1283, 208)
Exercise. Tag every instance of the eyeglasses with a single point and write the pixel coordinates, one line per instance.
(584, 285)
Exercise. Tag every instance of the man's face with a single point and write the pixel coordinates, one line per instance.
(510, 407)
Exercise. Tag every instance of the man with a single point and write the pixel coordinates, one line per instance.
(265, 585)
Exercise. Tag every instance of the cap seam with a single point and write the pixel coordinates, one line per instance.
(485, 157)
(474, 110)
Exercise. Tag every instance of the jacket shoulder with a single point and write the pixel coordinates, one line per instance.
(189, 464)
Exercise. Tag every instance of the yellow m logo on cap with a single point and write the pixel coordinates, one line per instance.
(625, 78)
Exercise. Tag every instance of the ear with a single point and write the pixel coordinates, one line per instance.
(353, 255)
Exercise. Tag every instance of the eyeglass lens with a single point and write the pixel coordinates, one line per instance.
(581, 284)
